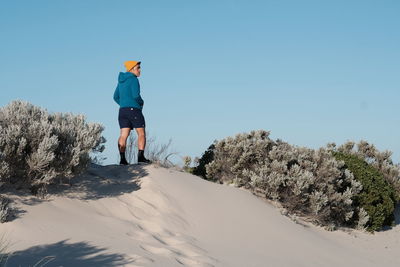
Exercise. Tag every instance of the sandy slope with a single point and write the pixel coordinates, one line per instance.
(149, 216)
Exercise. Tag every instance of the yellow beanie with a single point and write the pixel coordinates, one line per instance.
(130, 64)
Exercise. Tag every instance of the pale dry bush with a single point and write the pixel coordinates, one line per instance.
(37, 147)
(305, 181)
(5, 211)
(4, 247)
(187, 160)
(158, 153)
(380, 160)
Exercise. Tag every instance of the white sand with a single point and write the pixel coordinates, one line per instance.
(149, 216)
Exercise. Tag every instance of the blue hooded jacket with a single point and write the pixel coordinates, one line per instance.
(127, 93)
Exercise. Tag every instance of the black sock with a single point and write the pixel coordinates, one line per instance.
(141, 153)
(122, 154)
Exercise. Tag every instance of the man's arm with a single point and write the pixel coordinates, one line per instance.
(136, 92)
(116, 95)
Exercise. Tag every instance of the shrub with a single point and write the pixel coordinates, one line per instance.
(308, 182)
(37, 147)
(5, 212)
(380, 160)
(4, 255)
(206, 158)
(158, 153)
(187, 160)
(377, 197)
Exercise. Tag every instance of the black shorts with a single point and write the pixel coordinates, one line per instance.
(131, 118)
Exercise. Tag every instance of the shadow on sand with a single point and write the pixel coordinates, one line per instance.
(102, 182)
(95, 183)
(66, 254)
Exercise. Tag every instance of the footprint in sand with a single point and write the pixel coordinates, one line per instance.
(179, 256)
(140, 259)
(159, 239)
(193, 262)
(180, 242)
(178, 246)
(159, 250)
(185, 256)
(168, 238)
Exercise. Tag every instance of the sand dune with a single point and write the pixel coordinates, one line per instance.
(151, 216)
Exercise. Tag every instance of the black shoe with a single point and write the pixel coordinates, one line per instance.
(143, 160)
(123, 162)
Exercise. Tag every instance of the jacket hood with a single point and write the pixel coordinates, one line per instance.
(123, 76)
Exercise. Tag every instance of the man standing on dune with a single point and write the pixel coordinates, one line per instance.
(127, 96)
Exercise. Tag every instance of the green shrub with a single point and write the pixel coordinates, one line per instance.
(377, 197)
(206, 158)
(380, 160)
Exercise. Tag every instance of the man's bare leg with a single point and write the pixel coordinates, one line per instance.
(141, 132)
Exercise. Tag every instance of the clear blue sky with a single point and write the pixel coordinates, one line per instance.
(311, 72)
